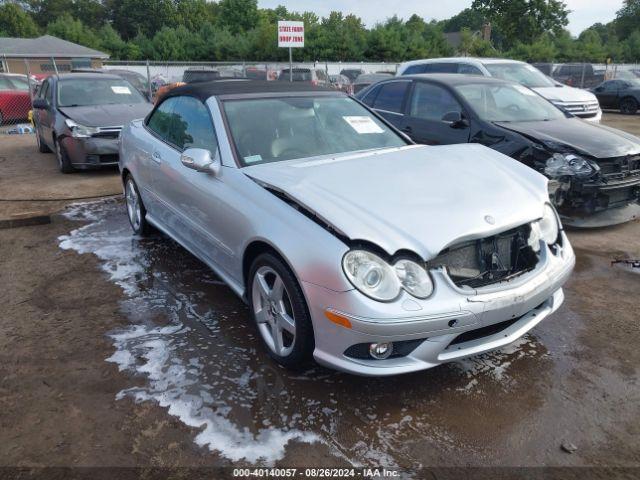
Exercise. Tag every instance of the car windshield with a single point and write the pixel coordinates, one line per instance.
(508, 103)
(521, 73)
(78, 92)
(299, 75)
(20, 83)
(277, 129)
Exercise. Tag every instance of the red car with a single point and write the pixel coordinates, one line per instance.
(15, 101)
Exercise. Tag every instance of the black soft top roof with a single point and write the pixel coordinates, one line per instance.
(204, 90)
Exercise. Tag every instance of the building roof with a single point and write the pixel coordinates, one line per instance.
(237, 86)
(44, 47)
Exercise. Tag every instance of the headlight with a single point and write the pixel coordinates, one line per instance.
(549, 228)
(80, 131)
(371, 275)
(568, 164)
(377, 279)
(413, 278)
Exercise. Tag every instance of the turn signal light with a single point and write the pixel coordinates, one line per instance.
(337, 319)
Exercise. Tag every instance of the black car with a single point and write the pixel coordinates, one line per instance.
(594, 171)
(623, 95)
(195, 75)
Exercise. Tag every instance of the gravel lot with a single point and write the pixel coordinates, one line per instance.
(116, 351)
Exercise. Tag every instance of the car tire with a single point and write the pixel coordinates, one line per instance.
(64, 163)
(628, 106)
(136, 213)
(42, 147)
(280, 312)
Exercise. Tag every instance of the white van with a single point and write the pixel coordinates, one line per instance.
(580, 103)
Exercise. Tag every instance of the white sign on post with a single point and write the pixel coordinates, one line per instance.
(290, 34)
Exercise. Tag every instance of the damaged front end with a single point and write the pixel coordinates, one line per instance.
(590, 192)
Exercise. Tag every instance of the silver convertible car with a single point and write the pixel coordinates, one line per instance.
(349, 243)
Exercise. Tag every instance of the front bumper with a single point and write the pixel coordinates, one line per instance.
(594, 119)
(524, 301)
(91, 152)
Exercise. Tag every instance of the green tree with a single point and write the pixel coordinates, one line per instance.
(589, 47)
(524, 20)
(542, 50)
(238, 15)
(15, 22)
(68, 28)
(468, 18)
(628, 18)
(131, 17)
(92, 12)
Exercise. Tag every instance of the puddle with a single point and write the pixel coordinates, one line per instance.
(191, 340)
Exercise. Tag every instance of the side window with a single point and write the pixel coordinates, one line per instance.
(414, 69)
(391, 96)
(611, 86)
(432, 102)
(162, 120)
(4, 84)
(468, 69)
(371, 96)
(193, 127)
(444, 67)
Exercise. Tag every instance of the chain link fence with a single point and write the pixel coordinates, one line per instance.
(589, 75)
(21, 79)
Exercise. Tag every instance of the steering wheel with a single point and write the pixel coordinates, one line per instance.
(513, 108)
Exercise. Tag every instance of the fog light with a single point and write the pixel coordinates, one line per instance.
(380, 351)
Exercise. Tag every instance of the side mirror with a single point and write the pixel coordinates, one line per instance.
(599, 89)
(455, 120)
(40, 103)
(200, 160)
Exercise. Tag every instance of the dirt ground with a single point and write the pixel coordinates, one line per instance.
(116, 351)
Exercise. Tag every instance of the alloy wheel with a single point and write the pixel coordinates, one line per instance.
(133, 205)
(273, 311)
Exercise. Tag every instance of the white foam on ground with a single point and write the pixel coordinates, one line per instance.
(155, 352)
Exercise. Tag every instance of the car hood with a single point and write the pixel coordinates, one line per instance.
(566, 94)
(416, 198)
(106, 115)
(584, 137)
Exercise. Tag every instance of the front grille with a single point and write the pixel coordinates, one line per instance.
(620, 168)
(488, 260)
(483, 332)
(581, 109)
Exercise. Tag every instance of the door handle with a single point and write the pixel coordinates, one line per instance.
(407, 129)
(156, 157)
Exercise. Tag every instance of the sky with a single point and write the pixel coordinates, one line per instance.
(584, 13)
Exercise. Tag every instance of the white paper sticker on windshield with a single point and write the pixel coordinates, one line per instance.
(121, 90)
(253, 158)
(363, 124)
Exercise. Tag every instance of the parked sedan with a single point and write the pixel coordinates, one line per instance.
(349, 243)
(623, 95)
(594, 170)
(79, 116)
(15, 101)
